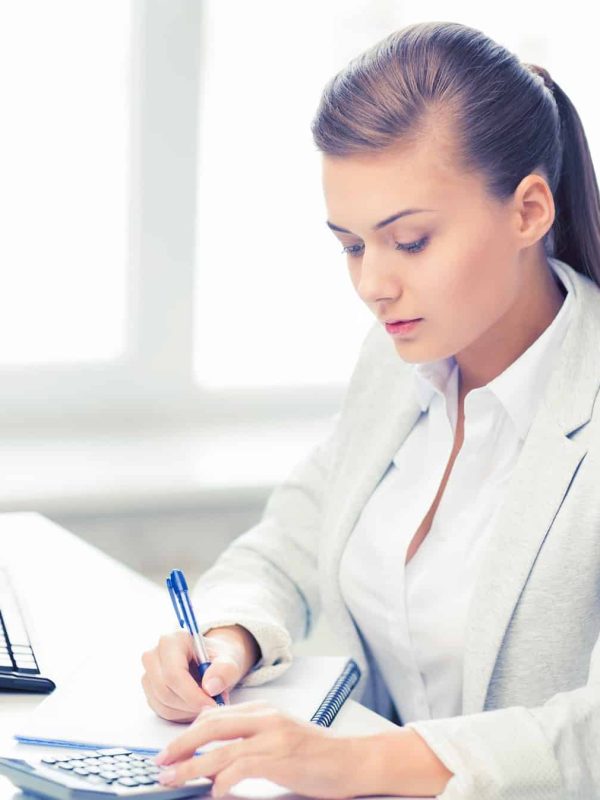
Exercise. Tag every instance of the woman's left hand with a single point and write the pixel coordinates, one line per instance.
(304, 757)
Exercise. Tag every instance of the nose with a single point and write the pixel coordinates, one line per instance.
(377, 279)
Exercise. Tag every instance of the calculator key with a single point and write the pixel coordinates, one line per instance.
(144, 780)
(81, 770)
(49, 760)
(65, 765)
(95, 779)
(121, 758)
(113, 751)
(128, 782)
(108, 775)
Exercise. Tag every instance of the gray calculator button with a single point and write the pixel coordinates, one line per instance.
(113, 751)
(49, 760)
(108, 776)
(81, 770)
(128, 782)
(66, 765)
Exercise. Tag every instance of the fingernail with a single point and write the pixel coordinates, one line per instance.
(167, 775)
(214, 686)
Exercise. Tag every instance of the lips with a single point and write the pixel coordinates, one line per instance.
(402, 328)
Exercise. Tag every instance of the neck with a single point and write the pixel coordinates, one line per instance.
(505, 341)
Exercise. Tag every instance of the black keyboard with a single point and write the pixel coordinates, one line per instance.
(18, 665)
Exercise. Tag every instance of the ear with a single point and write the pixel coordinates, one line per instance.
(534, 209)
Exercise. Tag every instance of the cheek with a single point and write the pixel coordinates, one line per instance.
(476, 283)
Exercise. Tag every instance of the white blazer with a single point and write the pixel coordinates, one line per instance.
(530, 722)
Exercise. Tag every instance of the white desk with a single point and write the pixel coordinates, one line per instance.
(49, 566)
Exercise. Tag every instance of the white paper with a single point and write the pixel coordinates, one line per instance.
(105, 706)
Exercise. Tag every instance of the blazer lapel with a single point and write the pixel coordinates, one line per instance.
(375, 436)
(536, 489)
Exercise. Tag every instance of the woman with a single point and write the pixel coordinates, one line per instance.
(449, 527)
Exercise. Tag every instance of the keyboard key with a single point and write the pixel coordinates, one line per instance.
(113, 751)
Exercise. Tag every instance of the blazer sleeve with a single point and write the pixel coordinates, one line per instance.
(266, 579)
(547, 752)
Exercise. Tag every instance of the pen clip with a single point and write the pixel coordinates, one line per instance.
(178, 587)
(175, 601)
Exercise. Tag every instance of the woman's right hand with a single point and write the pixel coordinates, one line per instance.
(170, 689)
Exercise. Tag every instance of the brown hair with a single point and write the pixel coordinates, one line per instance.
(510, 118)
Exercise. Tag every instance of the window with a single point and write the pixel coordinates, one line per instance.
(164, 245)
(64, 163)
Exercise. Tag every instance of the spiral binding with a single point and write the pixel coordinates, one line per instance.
(338, 694)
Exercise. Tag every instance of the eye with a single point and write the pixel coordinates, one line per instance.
(354, 250)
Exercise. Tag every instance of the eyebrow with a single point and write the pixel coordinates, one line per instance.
(385, 221)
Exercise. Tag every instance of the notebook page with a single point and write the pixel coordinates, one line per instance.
(105, 706)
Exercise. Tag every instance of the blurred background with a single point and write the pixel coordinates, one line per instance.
(177, 326)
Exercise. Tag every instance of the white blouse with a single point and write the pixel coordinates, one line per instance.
(413, 617)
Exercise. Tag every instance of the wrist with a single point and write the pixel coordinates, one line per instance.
(402, 763)
(240, 635)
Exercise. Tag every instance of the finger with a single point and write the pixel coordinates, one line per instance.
(222, 772)
(247, 707)
(224, 672)
(159, 694)
(217, 725)
(175, 654)
(208, 764)
(164, 711)
(251, 766)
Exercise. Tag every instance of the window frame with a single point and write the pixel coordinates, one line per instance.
(154, 378)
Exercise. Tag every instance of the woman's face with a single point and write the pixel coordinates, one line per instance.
(455, 265)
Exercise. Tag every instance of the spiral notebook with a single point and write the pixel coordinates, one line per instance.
(105, 706)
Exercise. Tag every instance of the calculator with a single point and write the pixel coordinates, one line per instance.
(97, 775)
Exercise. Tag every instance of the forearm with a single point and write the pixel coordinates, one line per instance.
(401, 763)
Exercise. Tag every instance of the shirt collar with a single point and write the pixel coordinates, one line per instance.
(518, 388)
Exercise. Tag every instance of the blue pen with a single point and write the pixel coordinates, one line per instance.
(178, 589)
